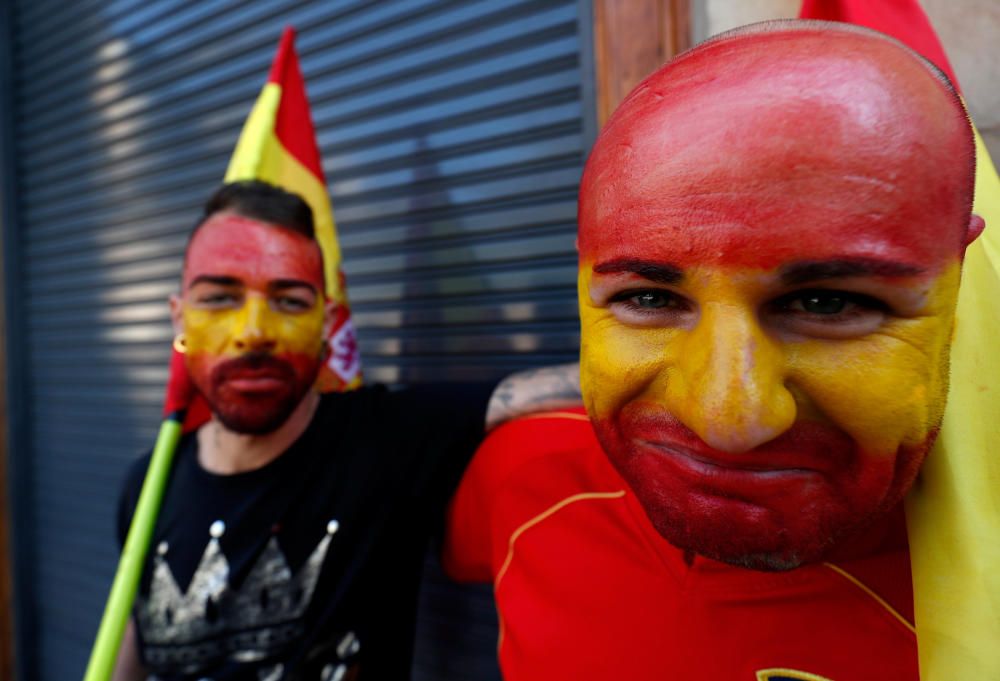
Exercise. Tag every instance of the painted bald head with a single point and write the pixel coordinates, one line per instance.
(771, 229)
(768, 109)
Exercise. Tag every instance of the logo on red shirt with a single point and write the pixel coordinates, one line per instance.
(787, 675)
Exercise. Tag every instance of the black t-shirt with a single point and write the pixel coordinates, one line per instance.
(306, 568)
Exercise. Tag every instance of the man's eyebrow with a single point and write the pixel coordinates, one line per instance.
(661, 273)
(217, 279)
(814, 270)
(282, 284)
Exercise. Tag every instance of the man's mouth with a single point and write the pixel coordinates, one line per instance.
(255, 383)
(720, 466)
(807, 449)
(254, 374)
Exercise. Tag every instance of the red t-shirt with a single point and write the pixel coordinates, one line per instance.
(587, 589)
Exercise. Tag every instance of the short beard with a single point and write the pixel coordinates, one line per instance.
(249, 415)
(743, 552)
(238, 421)
(766, 554)
(766, 562)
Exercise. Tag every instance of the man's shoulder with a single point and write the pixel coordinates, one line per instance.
(525, 470)
(559, 447)
(128, 490)
(362, 395)
(135, 471)
(422, 396)
(420, 416)
(352, 406)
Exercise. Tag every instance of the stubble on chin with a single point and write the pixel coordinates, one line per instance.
(253, 414)
(253, 420)
(766, 550)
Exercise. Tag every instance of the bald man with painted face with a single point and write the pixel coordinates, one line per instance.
(771, 233)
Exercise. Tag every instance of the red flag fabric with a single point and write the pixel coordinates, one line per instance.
(180, 390)
(904, 20)
(293, 124)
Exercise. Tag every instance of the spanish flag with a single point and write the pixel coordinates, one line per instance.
(278, 145)
(953, 512)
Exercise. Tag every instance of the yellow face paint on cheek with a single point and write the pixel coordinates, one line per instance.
(887, 390)
(616, 363)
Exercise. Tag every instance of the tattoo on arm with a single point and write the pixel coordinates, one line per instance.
(525, 392)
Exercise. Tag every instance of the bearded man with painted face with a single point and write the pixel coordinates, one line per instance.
(292, 535)
(771, 233)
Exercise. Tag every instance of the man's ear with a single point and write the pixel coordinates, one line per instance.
(177, 313)
(975, 228)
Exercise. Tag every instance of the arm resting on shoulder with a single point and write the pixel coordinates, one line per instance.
(534, 390)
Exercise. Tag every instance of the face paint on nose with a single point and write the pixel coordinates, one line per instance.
(729, 384)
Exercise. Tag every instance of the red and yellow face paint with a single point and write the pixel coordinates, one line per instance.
(766, 313)
(759, 423)
(253, 314)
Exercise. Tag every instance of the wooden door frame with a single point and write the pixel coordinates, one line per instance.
(632, 38)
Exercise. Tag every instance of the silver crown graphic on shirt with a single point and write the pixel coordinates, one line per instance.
(212, 619)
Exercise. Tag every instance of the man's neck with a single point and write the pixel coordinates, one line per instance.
(225, 452)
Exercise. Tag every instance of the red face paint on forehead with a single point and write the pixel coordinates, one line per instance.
(257, 254)
(767, 148)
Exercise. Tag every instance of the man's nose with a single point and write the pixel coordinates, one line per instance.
(253, 330)
(728, 386)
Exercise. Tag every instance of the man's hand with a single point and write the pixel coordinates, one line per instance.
(534, 390)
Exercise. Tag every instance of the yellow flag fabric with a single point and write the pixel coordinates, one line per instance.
(953, 513)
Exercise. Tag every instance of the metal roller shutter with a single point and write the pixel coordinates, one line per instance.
(453, 136)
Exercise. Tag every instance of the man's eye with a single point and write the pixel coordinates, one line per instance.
(291, 304)
(652, 300)
(217, 299)
(823, 303)
(831, 303)
(649, 307)
(829, 314)
(646, 300)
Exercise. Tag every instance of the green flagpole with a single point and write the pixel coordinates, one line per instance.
(126, 582)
